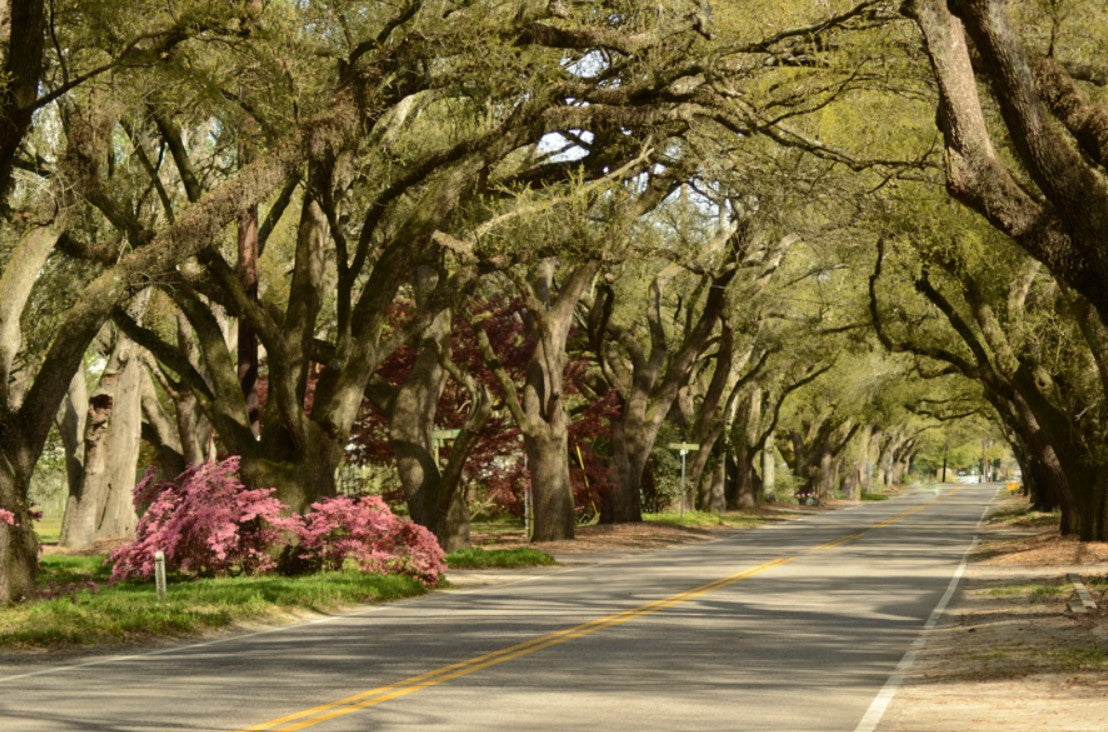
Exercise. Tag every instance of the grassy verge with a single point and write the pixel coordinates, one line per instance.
(477, 558)
(1015, 512)
(874, 496)
(731, 519)
(1030, 592)
(85, 612)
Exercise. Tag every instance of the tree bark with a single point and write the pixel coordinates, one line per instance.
(434, 495)
(22, 68)
(1066, 225)
(18, 545)
(100, 505)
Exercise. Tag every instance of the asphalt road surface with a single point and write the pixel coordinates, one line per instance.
(798, 626)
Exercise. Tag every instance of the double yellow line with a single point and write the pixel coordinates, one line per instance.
(373, 697)
(412, 684)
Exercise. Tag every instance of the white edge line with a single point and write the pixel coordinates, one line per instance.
(884, 698)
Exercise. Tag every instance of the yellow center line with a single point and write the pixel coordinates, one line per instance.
(840, 540)
(891, 520)
(347, 705)
(322, 713)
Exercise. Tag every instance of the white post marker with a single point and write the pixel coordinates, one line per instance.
(159, 573)
(683, 448)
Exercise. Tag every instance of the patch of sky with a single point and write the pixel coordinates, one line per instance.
(588, 66)
(565, 147)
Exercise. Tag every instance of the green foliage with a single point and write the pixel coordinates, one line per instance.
(478, 558)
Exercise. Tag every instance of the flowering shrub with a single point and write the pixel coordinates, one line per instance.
(7, 517)
(206, 522)
(365, 530)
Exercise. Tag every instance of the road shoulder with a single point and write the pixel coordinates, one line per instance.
(1010, 653)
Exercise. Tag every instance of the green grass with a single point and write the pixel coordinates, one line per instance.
(477, 558)
(874, 496)
(48, 529)
(1018, 660)
(733, 519)
(1031, 592)
(1021, 515)
(1073, 659)
(131, 612)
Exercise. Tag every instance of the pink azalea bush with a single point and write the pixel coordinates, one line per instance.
(206, 522)
(367, 531)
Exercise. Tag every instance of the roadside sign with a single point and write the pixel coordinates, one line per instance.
(683, 448)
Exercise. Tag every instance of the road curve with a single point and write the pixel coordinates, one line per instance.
(798, 626)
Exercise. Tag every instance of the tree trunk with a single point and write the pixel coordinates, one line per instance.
(825, 475)
(71, 427)
(745, 493)
(631, 445)
(434, 499)
(159, 431)
(540, 410)
(713, 486)
(18, 545)
(1091, 508)
(247, 268)
(100, 505)
(769, 466)
(551, 490)
(856, 480)
(302, 473)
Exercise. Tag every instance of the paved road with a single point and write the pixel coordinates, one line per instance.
(792, 627)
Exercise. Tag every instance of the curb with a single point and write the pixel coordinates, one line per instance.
(1082, 602)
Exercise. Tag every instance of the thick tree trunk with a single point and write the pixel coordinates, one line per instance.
(100, 505)
(745, 493)
(699, 468)
(713, 486)
(540, 411)
(159, 431)
(1091, 508)
(551, 490)
(301, 474)
(631, 446)
(850, 485)
(18, 545)
(435, 499)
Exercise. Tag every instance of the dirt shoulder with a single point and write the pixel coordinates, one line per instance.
(1010, 653)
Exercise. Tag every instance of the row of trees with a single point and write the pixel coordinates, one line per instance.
(287, 230)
